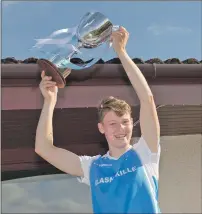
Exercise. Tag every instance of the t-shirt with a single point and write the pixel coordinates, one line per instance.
(128, 184)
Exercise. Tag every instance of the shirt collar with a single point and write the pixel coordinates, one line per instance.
(107, 155)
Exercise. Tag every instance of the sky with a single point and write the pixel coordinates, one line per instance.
(45, 194)
(157, 29)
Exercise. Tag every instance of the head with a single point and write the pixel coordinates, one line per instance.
(115, 122)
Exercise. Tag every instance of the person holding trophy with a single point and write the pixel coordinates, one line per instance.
(125, 179)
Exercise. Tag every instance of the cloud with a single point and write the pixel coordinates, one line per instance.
(157, 30)
(13, 193)
(46, 195)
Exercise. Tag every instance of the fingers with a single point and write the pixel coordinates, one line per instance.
(121, 30)
(47, 84)
(46, 81)
(52, 89)
(117, 35)
(42, 74)
(44, 77)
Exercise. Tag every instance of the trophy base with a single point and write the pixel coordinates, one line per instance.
(51, 70)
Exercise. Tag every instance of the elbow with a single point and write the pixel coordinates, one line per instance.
(37, 150)
(42, 149)
(40, 152)
(37, 145)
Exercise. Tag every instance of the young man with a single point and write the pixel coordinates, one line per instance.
(125, 180)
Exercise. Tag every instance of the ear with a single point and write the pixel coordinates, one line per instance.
(101, 128)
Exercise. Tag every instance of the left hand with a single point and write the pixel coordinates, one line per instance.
(119, 39)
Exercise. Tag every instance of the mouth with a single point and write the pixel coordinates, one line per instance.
(120, 137)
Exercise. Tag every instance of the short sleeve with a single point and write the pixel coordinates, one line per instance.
(149, 159)
(86, 162)
(143, 150)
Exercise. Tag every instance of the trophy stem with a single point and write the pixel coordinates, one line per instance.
(71, 55)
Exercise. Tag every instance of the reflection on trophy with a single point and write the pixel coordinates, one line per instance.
(75, 48)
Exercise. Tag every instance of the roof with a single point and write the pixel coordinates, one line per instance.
(9, 60)
(24, 74)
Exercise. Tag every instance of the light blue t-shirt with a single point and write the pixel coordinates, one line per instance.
(128, 184)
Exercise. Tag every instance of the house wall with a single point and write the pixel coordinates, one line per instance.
(179, 184)
(174, 120)
(180, 174)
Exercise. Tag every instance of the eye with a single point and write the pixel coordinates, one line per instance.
(112, 124)
(126, 122)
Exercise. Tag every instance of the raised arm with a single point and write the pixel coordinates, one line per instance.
(149, 122)
(62, 159)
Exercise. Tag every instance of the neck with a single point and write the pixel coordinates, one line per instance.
(117, 152)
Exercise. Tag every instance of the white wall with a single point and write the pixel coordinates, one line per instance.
(180, 174)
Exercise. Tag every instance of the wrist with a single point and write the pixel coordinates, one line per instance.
(49, 102)
(121, 51)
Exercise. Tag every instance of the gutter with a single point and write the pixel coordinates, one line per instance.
(17, 75)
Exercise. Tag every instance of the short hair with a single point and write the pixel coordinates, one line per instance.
(120, 107)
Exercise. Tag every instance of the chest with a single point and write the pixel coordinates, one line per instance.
(106, 174)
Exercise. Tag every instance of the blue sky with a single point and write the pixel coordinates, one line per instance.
(157, 29)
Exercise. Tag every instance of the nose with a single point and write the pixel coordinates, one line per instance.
(121, 127)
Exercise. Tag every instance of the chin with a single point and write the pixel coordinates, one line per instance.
(121, 143)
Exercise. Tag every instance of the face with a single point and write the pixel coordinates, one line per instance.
(117, 130)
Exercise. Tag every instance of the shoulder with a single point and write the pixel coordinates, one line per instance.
(143, 150)
(88, 158)
(150, 160)
(86, 162)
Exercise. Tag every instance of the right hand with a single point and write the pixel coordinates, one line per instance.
(49, 88)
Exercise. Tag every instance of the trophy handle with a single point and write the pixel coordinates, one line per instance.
(51, 70)
(75, 64)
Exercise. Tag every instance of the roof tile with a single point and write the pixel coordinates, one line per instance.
(32, 60)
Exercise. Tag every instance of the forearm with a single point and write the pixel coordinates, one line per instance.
(44, 132)
(135, 76)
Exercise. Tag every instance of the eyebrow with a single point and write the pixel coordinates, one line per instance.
(125, 119)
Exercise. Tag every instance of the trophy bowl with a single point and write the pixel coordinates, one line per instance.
(82, 47)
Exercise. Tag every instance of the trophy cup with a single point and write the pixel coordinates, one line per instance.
(82, 47)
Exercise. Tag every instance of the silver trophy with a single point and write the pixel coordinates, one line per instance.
(75, 48)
